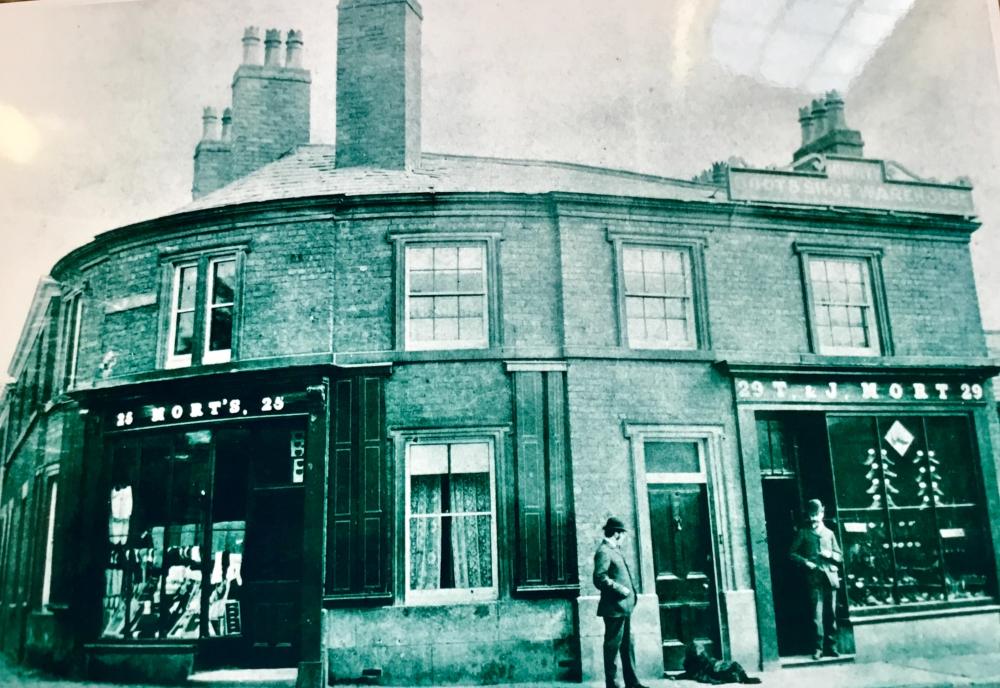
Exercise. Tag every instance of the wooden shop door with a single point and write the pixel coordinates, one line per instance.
(685, 569)
(272, 569)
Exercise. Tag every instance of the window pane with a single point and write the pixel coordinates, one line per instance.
(224, 281)
(426, 459)
(425, 494)
(469, 306)
(472, 551)
(636, 330)
(425, 553)
(446, 258)
(188, 283)
(421, 330)
(470, 281)
(221, 329)
(470, 458)
(419, 258)
(671, 457)
(184, 337)
(446, 329)
(421, 307)
(421, 281)
(446, 281)
(634, 283)
(632, 260)
(470, 328)
(446, 307)
(471, 257)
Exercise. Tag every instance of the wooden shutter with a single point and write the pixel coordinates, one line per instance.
(358, 561)
(546, 551)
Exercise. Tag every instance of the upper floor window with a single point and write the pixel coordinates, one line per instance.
(844, 302)
(445, 296)
(202, 310)
(72, 319)
(662, 303)
(451, 542)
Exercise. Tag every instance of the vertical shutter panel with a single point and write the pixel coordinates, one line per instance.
(358, 552)
(530, 409)
(546, 547)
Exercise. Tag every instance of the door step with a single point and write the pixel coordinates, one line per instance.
(244, 678)
(807, 660)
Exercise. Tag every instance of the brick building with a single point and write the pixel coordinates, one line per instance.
(362, 409)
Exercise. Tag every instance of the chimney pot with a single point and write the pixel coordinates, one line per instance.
(227, 124)
(835, 112)
(272, 48)
(251, 45)
(806, 120)
(293, 44)
(819, 127)
(210, 125)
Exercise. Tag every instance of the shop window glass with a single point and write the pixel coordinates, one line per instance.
(155, 530)
(907, 506)
(446, 296)
(71, 335)
(450, 538)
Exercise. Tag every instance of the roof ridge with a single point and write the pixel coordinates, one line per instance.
(583, 167)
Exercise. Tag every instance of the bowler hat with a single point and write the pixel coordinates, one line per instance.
(615, 525)
(813, 507)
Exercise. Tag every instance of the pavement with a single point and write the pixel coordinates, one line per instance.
(981, 670)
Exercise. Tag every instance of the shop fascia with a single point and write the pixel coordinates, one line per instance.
(861, 391)
(188, 411)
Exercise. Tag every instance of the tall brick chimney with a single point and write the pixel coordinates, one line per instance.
(268, 118)
(824, 130)
(378, 83)
(270, 103)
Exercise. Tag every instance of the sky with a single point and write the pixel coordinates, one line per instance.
(100, 102)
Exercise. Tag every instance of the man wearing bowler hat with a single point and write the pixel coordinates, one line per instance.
(618, 597)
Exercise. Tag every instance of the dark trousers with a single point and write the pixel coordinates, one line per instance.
(618, 640)
(822, 604)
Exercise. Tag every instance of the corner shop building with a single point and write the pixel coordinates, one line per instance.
(370, 417)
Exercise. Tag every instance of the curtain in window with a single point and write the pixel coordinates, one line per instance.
(471, 539)
(425, 532)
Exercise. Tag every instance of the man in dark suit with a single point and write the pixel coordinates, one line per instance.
(618, 597)
(815, 547)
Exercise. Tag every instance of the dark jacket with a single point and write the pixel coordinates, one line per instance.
(820, 547)
(613, 578)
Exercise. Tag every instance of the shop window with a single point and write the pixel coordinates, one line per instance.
(72, 322)
(846, 306)
(450, 546)
(203, 310)
(662, 294)
(910, 510)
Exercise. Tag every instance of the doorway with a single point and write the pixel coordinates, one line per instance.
(795, 467)
(682, 548)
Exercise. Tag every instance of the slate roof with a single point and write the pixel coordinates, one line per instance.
(310, 170)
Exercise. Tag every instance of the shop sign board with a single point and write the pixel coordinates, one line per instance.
(851, 188)
(182, 411)
(864, 391)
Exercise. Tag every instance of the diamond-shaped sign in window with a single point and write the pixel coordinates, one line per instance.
(899, 438)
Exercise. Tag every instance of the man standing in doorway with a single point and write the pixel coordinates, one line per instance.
(618, 597)
(815, 547)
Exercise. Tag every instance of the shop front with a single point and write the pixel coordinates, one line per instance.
(202, 504)
(903, 462)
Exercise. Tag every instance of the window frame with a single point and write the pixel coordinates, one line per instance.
(493, 438)
(72, 327)
(491, 284)
(203, 262)
(871, 259)
(693, 252)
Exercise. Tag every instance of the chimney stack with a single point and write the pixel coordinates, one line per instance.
(269, 116)
(825, 130)
(378, 83)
